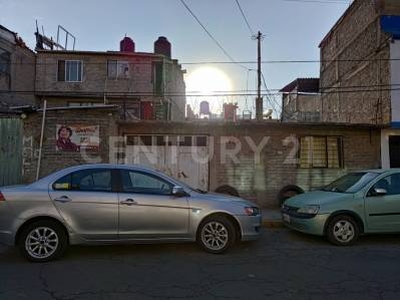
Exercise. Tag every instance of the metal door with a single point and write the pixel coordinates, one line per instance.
(10, 151)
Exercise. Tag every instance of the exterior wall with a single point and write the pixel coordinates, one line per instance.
(301, 107)
(53, 160)
(20, 81)
(395, 80)
(233, 161)
(97, 87)
(355, 60)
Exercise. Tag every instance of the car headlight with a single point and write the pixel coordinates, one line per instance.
(252, 211)
(309, 209)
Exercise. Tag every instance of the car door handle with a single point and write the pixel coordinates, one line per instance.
(63, 199)
(129, 202)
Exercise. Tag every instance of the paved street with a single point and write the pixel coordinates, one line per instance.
(282, 265)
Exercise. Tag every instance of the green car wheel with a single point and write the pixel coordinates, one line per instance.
(342, 230)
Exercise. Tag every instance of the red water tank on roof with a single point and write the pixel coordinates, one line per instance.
(162, 46)
(230, 111)
(127, 45)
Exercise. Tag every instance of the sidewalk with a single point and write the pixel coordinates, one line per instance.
(271, 217)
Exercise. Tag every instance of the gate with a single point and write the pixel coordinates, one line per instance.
(182, 157)
(10, 151)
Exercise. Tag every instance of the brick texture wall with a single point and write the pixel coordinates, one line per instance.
(278, 166)
(53, 160)
(96, 86)
(355, 70)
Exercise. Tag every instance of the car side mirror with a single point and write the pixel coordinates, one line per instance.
(178, 191)
(379, 192)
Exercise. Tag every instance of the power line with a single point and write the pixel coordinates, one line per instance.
(327, 90)
(231, 62)
(210, 35)
(244, 17)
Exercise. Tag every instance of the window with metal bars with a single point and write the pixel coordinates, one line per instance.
(321, 152)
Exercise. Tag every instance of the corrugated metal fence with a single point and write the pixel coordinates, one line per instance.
(10, 151)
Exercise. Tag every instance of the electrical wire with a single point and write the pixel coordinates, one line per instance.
(209, 34)
(244, 17)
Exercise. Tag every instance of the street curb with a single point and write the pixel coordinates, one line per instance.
(272, 223)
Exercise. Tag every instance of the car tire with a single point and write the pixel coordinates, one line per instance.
(43, 241)
(216, 234)
(342, 230)
(288, 192)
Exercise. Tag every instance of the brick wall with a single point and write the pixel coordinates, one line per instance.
(262, 181)
(53, 160)
(96, 86)
(355, 62)
(20, 82)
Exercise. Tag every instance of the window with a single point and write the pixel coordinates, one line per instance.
(141, 183)
(390, 183)
(158, 70)
(5, 61)
(69, 70)
(86, 180)
(118, 69)
(321, 152)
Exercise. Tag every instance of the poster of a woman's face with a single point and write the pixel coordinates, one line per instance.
(64, 142)
(74, 138)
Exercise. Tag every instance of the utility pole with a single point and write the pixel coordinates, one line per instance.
(259, 100)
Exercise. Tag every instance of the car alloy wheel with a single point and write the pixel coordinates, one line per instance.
(216, 235)
(342, 230)
(43, 241)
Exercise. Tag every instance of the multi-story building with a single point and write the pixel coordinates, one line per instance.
(17, 71)
(301, 101)
(360, 71)
(145, 85)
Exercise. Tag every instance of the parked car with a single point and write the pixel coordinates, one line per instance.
(103, 204)
(358, 203)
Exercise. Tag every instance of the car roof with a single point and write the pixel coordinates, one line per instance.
(379, 171)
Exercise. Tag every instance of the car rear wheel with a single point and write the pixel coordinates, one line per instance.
(342, 230)
(43, 241)
(216, 234)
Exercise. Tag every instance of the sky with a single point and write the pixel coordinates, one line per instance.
(292, 31)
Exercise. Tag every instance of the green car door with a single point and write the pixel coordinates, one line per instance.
(382, 210)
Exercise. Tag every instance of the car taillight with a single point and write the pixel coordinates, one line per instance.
(2, 197)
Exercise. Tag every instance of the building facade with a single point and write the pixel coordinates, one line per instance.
(301, 101)
(359, 74)
(147, 86)
(17, 71)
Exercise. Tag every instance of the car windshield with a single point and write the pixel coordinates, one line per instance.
(351, 183)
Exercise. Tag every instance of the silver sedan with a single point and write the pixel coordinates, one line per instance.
(104, 203)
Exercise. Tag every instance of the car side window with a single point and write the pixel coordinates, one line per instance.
(86, 180)
(141, 183)
(390, 183)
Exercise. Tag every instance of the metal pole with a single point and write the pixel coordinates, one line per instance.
(259, 104)
(41, 139)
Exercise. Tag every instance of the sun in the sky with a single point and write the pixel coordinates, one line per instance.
(208, 80)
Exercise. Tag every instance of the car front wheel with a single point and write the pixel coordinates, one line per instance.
(216, 234)
(342, 230)
(43, 241)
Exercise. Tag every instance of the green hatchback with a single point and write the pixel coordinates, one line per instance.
(360, 202)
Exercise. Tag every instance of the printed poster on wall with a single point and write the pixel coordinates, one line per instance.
(76, 138)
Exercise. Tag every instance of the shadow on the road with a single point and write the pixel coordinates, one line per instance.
(364, 240)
